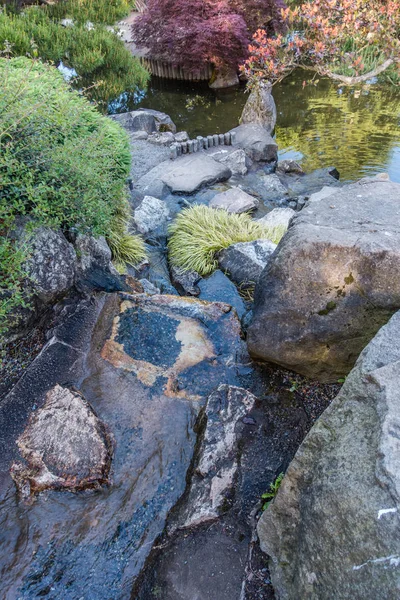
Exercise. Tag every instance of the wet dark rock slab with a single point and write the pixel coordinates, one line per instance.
(220, 558)
(146, 365)
(218, 288)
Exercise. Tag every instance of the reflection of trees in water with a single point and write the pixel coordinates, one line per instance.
(353, 128)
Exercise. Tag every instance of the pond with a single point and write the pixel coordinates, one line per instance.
(320, 122)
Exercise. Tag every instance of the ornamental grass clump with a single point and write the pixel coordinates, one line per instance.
(200, 232)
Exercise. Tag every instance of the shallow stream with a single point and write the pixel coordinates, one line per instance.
(321, 122)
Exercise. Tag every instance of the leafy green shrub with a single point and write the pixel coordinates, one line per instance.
(198, 233)
(61, 162)
(95, 11)
(97, 55)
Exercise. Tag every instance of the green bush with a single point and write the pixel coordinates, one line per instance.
(95, 11)
(198, 233)
(61, 162)
(97, 55)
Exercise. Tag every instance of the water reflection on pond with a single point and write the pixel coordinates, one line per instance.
(357, 129)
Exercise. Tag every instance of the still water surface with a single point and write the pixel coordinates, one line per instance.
(356, 129)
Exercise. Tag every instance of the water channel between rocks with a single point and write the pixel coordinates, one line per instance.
(322, 122)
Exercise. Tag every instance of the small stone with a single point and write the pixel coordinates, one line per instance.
(185, 281)
(162, 139)
(245, 261)
(218, 288)
(151, 214)
(139, 135)
(289, 166)
(182, 136)
(235, 201)
(278, 217)
(256, 142)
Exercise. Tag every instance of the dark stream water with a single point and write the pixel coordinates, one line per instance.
(320, 122)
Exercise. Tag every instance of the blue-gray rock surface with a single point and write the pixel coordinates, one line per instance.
(333, 529)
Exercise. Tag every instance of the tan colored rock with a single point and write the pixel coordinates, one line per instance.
(65, 446)
(333, 281)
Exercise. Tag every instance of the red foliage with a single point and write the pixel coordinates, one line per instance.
(330, 35)
(189, 34)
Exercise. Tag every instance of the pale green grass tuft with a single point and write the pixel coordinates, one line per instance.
(200, 232)
(125, 247)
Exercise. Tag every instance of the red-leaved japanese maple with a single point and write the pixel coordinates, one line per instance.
(261, 14)
(189, 34)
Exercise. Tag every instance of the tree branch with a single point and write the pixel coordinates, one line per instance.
(360, 78)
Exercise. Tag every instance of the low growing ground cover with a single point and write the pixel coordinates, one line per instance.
(62, 164)
(104, 65)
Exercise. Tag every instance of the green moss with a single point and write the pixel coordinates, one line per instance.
(349, 279)
(329, 308)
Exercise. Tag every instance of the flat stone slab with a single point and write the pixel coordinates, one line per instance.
(188, 174)
(234, 201)
(185, 175)
(245, 261)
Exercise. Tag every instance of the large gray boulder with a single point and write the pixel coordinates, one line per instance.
(333, 282)
(256, 142)
(260, 108)
(333, 529)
